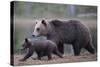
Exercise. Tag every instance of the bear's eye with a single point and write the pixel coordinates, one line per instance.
(38, 29)
(36, 22)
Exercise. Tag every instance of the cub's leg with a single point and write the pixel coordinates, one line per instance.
(49, 55)
(29, 54)
(56, 52)
(39, 55)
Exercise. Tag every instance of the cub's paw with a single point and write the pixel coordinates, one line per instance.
(22, 60)
(34, 58)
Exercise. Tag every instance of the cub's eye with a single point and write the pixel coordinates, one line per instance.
(38, 29)
(23, 45)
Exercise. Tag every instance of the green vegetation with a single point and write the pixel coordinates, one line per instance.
(40, 10)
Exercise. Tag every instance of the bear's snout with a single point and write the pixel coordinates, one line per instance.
(33, 35)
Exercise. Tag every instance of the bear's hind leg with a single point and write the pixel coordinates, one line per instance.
(90, 48)
(76, 48)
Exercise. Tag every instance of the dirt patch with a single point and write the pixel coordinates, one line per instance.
(55, 59)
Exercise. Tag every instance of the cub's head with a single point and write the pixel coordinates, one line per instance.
(40, 28)
(26, 44)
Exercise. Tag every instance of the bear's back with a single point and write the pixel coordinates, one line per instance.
(68, 31)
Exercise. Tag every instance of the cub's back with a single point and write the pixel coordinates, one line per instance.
(43, 44)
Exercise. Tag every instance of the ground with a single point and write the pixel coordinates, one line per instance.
(66, 59)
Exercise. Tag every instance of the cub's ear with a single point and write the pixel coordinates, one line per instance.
(44, 22)
(26, 39)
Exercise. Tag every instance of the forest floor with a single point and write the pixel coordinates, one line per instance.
(66, 59)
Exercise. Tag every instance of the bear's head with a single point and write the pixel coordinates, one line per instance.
(26, 44)
(40, 28)
(44, 28)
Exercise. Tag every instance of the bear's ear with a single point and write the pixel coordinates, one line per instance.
(26, 40)
(35, 22)
(44, 22)
(56, 23)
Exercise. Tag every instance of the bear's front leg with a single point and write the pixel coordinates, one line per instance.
(27, 55)
(61, 47)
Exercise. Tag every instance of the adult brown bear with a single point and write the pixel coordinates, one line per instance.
(69, 32)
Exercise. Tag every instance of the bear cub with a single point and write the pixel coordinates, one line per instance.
(41, 47)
